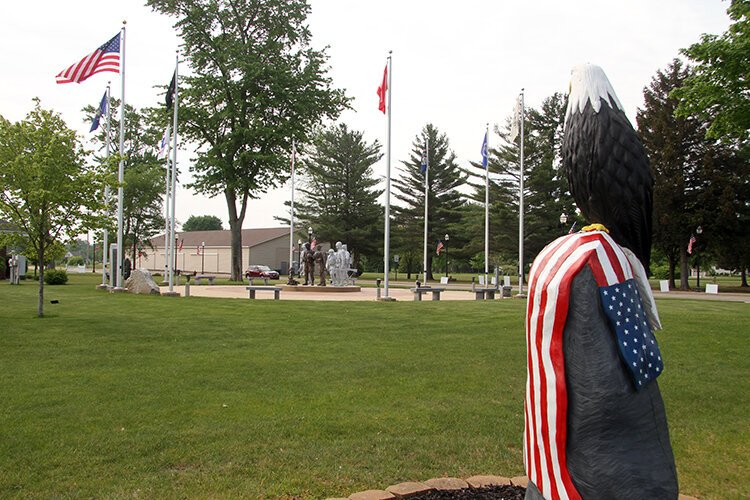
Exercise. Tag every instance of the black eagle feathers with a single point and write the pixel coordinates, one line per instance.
(608, 171)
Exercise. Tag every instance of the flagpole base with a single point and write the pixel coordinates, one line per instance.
(118, 289)
(170, 294)
(386, 299)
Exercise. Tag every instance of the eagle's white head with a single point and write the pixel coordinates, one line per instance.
(589, 83)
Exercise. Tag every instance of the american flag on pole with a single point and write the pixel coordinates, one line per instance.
(628, 304)
(440, 247)
(105, 58)
(690, 244)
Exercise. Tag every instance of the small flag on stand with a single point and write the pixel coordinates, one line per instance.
(382, 90)
(440, 247)
(99, 113)
(105, 58)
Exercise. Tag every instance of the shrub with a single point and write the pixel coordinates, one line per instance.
(75, 260)
(2, 269)
(55, 277)
(662, 272)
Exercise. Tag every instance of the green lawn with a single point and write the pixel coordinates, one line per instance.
(136, 396)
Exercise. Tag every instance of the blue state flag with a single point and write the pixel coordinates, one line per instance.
(99, 113)
(484, 151)
(424, 161)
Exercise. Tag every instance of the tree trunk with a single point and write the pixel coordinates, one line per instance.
(684, 270)
(40, 259)
(235, 228)
(429, 268)
(743, 274)
(672, 266)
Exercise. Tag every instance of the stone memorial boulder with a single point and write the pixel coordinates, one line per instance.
(141, 282)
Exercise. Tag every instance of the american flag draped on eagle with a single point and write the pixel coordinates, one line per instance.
(595, 420)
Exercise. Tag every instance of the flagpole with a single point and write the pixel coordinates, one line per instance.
(291, 215)
(487, 209)
(173, 244)
(105, 236)
(387, 244)
(520, 207)
(121, 169)
(426, 199)
(168, 191)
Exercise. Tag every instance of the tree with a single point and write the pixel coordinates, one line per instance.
(255, 85)
(444, 200)
(340, 198)
(719, 88)
(698, 181)
(46, 188)
(143, 175)
(202, 223)
(546, 192)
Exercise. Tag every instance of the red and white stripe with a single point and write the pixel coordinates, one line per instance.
(96, 62)
(546, 397)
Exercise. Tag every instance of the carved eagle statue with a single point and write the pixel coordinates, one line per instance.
(595, 422)
(607, 167)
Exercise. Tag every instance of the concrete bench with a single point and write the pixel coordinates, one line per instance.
(427, 289)
(252, 289)
(485, 293)
(252, 281)
(204, 277)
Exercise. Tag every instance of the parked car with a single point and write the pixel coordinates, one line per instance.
(261, 272)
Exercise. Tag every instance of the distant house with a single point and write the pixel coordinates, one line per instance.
(269, 247)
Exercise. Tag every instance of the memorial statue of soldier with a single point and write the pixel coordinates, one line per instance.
(309, 259)
(320, 261)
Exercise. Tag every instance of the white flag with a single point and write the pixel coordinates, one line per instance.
(164, 144)
(516, 121)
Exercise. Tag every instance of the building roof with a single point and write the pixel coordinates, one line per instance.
(250, 237)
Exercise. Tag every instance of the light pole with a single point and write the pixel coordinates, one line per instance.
(299, 257)
(176, 237)
(563, 219)
(309, 234)
(698, 231)
(203, 255)
(447, 237)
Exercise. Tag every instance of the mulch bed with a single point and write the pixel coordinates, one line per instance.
(505, 492)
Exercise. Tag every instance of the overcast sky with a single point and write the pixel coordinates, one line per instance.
(458, 65)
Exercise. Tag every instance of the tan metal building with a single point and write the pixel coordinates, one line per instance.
(268, 246)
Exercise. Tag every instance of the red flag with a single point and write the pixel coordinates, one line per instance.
(383, 89)
(690, 244)
(105, 58)
(440, 247)
(314, 244)
(179, 249)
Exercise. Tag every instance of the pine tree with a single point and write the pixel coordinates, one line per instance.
(546, 193)
(340, 200)
(444, 200)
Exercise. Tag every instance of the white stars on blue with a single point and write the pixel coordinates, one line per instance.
(644, 364)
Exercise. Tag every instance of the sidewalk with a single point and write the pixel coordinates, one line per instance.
(400, 291)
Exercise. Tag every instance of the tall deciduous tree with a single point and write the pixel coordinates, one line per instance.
(46, 189)
(340, 197)
(719, 88)
(144, 174)
(254, 85)
(444, 199)
(202, 223)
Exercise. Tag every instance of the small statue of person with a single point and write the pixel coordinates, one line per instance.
(291, 280)
(332, 267)
(126, 267)
(309, 265)
(320, 261)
